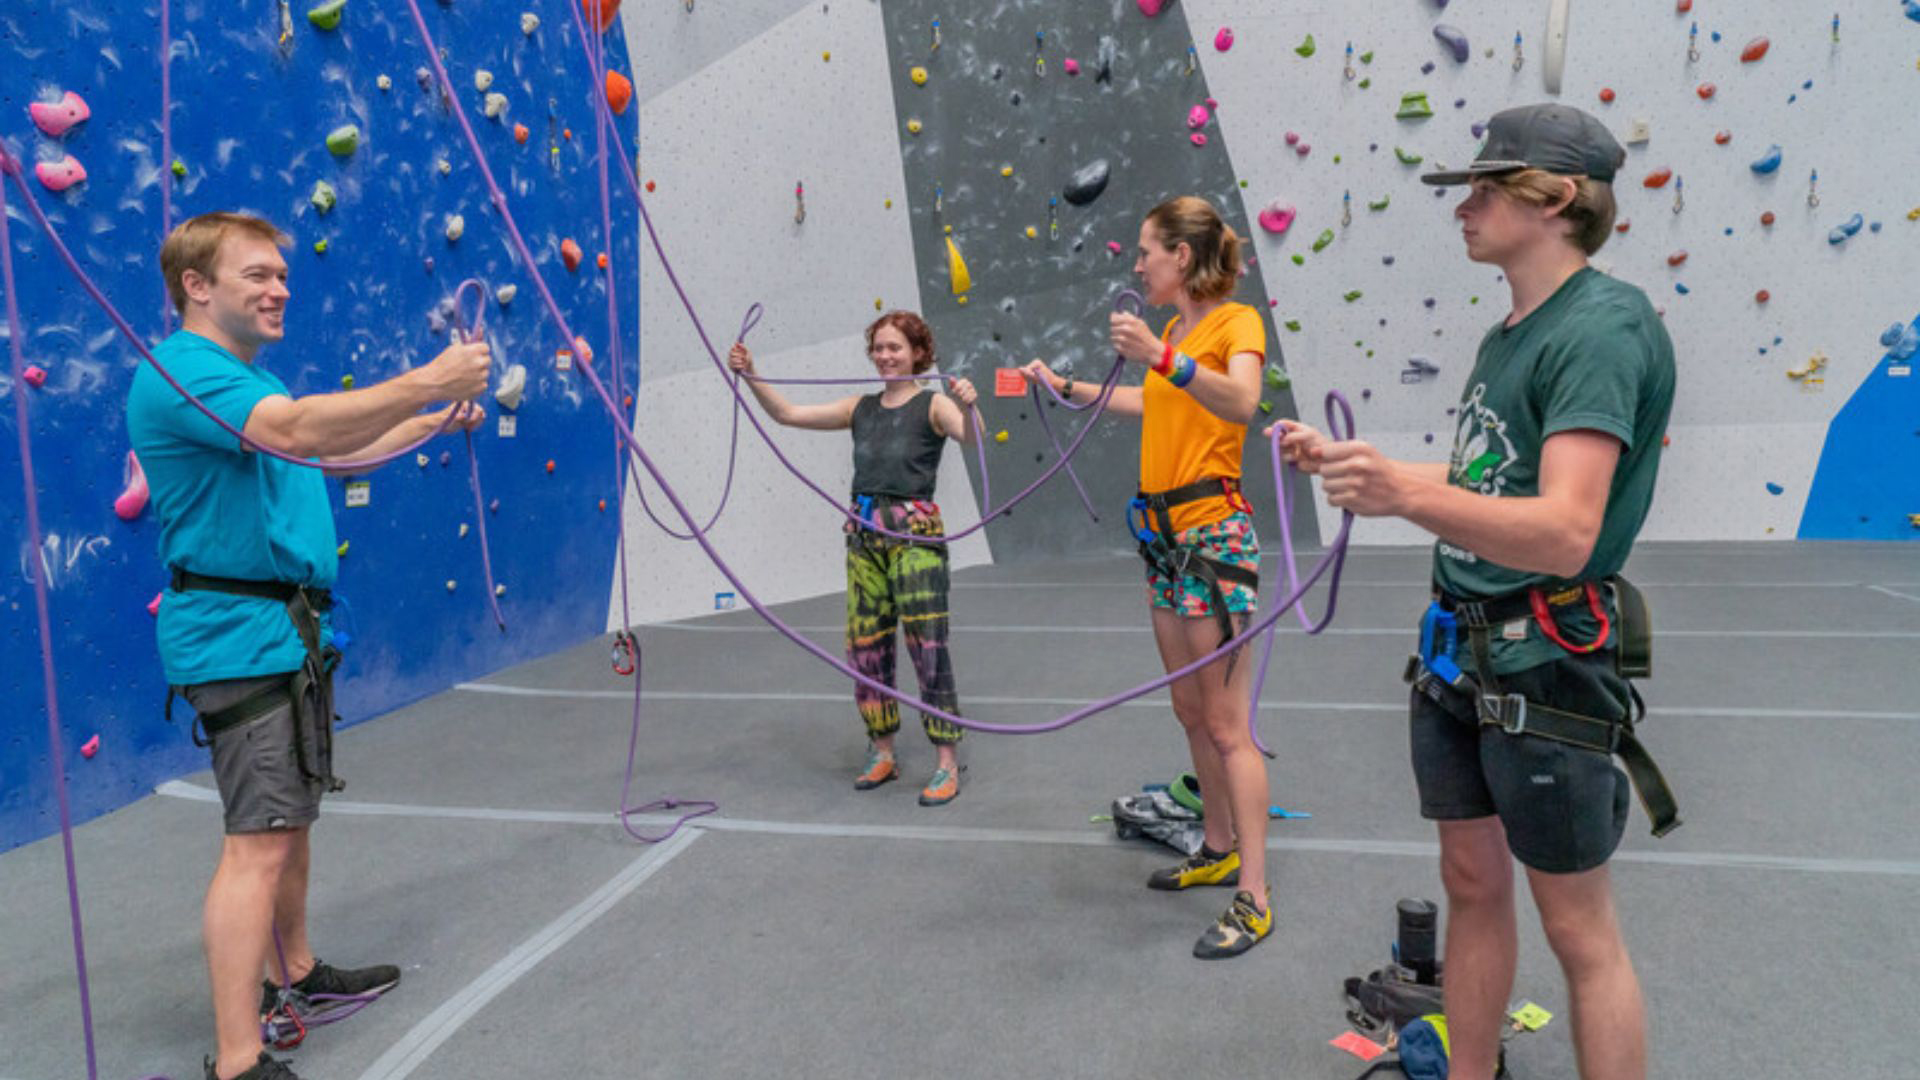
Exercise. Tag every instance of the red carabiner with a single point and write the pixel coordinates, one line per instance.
(1543, 614)
(625, 652)
(284, 1013)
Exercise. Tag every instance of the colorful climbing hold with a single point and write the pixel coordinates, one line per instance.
(1455, 40)
(1414, 106)
(494, 105)
(1000, 436)
(520, 134)
(1657, 178)
(1767, 162)
(456, 228)
(1677, 258)
(1774, 489)
(570, 253)
(1767, 218)
(34, 375)
(1306, 48)
(1408, 157)
(1722, 138)
(607, 10)
(1706, 90)
(1070, 66)
(1606, 94)
(1198, 116)
(1352, 296)
(60, 117)
(482, 80)
(529, 22)
(918, 75)
(343, 140)
(179, 168)
(1321, 242)
(619, 92)
(384, 82)
(1198, 138)
(133, 497)
(92, 746)
(323, 197)
(958, 278)
(1755, 49)
(1223, 40)
(60, 175)
(1762, 296)
(1277, 216)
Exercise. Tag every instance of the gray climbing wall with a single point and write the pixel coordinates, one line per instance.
(986, 106)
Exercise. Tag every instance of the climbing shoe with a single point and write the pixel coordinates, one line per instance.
(1207, 867)
(267, 1068)
(328, 984)
(942, 788)
(880, 769)
(1240, 929)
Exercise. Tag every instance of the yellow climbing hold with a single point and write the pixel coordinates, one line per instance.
(1032, 232)
(826, 57)
(919, 76)
(1006, 170)
(1000, 436)
(957, 269)
(913, 127)
(889, 204)
(877, 306)
(341, 551)
(1914, 214)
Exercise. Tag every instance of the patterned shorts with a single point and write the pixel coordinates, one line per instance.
(1229, 540)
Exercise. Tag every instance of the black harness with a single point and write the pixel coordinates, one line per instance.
(1479, 700)
(1152, 525)
(309, 690)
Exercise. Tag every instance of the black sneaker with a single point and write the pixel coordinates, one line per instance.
(329, 984)
(267, 1068)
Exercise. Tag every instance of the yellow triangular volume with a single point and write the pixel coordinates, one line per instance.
(957, 269)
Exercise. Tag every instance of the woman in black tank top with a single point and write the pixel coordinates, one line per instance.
(898, 435)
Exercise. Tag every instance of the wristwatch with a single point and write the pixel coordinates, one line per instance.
(1066, 389)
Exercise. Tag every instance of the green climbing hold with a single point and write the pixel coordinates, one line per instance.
(1380, 203)
(1243, 183)
(1299, 260)
(1292, 324)
(1414, 106)
(1267, 407)
(1336, 159)
(1366, 83)
(1320, 242)
(343, 140)
(179, 168)
(1352, 296)
(327, 16)
(1307, 48)
(1408, 157)
(1285, 381)
(323, 197)
(1367, 57)
(1473, 299)
(319, 247)
(346, 382)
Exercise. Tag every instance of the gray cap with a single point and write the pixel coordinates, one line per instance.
(1558, 139)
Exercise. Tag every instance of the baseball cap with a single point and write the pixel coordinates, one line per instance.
(1555, 138)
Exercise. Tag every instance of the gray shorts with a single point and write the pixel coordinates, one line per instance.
(257, 764)
(1564, 807)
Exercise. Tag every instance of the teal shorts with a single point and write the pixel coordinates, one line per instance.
(1230, 540)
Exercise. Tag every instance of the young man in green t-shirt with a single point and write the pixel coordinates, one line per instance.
(1556, 445)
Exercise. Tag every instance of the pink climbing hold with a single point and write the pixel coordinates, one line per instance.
(1277, 216)
(1197, 138)
(35, 375)
(1293, 138)
(1224, 39)
(1114, 247)
(1070, 66)
(60, 117)
(153, 605)
(60, 175)
(1150, 8)
(1198, 116)
(134, 499)
(90, 748)
(1303, 148)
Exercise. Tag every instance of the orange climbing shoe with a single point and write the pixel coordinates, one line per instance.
(941, 789)
(880, 769)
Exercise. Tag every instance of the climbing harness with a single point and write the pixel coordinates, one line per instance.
(1152, 526)
(1478, 699)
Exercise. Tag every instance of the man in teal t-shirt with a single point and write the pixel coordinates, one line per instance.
(1556, 445)
(243, 636)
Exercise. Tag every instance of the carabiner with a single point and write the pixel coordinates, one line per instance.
(626, 652)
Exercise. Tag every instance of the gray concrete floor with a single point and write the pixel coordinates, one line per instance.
(813, 931)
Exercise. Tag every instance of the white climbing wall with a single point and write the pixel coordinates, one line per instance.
(1740, 423)
(737, 104)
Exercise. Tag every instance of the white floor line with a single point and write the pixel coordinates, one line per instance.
(1055, 837)
(1889, 592)
(1408, 632)
(416, 1045)
(1153, 702)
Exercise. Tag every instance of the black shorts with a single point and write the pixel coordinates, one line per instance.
(256, 765)
(1564, 807)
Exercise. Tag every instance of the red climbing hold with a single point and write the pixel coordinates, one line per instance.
(1762, 296)
(1606, 94)
(1676, 258)
(601, 260)
(570, 253)
(1658, 178)
(649, 187)
(1681, 7)
(1767, 219)
(1755, 49)
(1723, 137)
(1706, 90)
(608, 10)
(520, 134)
(134, 498)
(619, 92)
(1623, 226)
(549, 464)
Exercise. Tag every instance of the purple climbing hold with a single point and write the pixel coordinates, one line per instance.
(1430, 301)
(1479, 130)
(1427, 68)
(1455, 40)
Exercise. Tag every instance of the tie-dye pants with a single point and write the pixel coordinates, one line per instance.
(895, 583)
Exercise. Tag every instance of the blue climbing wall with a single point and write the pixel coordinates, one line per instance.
(1866, 487)
(250, 115)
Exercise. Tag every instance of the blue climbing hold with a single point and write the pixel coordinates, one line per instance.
(1901, 341)
(1775, 489)
(1768, 162)
(1681, 288)
(1913, 10)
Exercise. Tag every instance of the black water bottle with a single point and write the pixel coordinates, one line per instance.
(1419, 920)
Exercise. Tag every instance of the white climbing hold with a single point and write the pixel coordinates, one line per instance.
(496, 105)
(456, 228)
(529, 22)
(483, 80)
(505, 294)
(384, 82)
(512, 388)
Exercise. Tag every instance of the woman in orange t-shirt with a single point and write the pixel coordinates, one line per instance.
(1203, 560)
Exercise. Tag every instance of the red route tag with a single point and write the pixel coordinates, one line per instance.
(1008, 382)
(1359, 1046)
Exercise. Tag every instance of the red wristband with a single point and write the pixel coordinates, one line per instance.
(1165, 363)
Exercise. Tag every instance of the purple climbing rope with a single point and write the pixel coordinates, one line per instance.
(166, 149)
(469, 330)
(518, 240)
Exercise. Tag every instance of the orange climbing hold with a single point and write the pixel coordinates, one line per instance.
(608, 10)
(601, 260)
(1767, 219)
(1762, 296)
(549, 464)
(520, 134)
(1681, 7)
(1676, 258)
(1755, 49)
(649, 187)
(1658, 178)
(1706, 90)
(1606, 94)
(619, 92)
(570, 253)
(1723, 137)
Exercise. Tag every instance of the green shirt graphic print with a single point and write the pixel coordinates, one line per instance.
(1594, 357)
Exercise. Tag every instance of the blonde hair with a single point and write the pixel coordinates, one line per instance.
(1590, 213)
(1191, 220)
(194, 245)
